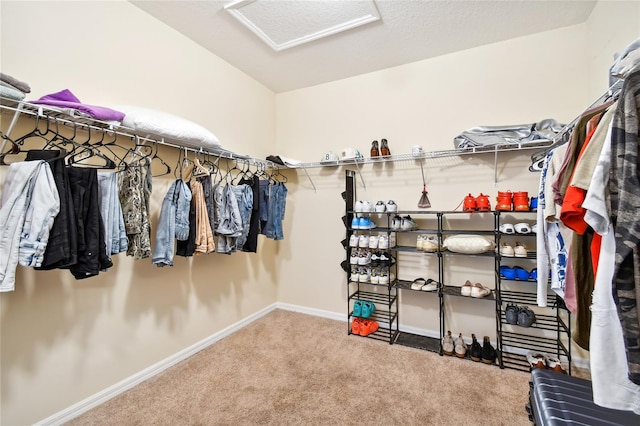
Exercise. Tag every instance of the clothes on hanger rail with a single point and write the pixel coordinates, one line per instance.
(28, 206)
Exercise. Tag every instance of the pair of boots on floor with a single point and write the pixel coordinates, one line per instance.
(485, 353)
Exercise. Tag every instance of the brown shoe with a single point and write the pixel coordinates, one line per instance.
(375, 152)
(384, 148)
(536, 360)
(554, 364)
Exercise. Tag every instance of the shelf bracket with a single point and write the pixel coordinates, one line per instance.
(309, 177)
(364, 185)
(6, 136)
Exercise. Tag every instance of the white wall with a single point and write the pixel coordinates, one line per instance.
(63, 340)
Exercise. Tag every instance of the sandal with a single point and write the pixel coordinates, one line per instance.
(431, 285)
(418, 283)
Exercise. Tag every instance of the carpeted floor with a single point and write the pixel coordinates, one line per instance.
(289, 368)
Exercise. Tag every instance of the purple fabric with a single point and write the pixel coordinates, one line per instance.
(66, 99)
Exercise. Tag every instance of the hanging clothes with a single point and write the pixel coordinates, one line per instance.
(624, 188)
(135, 193)
(92, 255)
(187, 247)
(173, 222)
(28, 205)
(229, 223)
(244, 197)
(251, 243)
(111, 211)
(203, 236)
(277, 207)
(62, 247)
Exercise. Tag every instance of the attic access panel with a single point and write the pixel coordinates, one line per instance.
(285, 24)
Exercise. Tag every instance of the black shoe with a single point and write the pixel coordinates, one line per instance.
(511, 313)
(488, 352)
(476, 350)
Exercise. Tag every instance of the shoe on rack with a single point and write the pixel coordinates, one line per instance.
(465, 290)
(533, 204)
(368, 308)
(506, 250)
(368, 327)
(355, 274)
(430, 243)
(375, 151)
(358, 206)
(380, 207)
(475, 352)
(431, 285)
(460, 347)
(533, 275)
(363, 241)
(478, 291)
(522, 228)
(536, 360)
(356, 324)
(408, 224)
(375, 275)
(521, 201)
(385, 258)
(374, 241)
(419, 242)
(353, 259)
(521, 273)
(526, 317)
(384, 276)
(392, 206)
(448, 345)
(488, 352)
(507, 272)
(504, 201)
(353, 240)
(396, 223)
(367, 207)
(384, 148)
(511, 313)
(507, 228)
(482, 203)
(520, 250)
(392, 240)
(383, 241)
(357, 308)
(418, 283)
(554, 364)
(355, 223)
(469, 203)
(365, 275)
(375, 258)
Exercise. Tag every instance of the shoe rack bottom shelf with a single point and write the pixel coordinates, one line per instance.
(383, 333)
(417, 341)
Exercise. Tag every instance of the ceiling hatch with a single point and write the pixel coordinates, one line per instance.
(285, 24)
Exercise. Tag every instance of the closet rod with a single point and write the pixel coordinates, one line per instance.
(21, 107)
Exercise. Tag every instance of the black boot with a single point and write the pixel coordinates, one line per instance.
(488, 352)
(476, 350)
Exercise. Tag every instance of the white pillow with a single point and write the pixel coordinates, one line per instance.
(468, 244)
(169, 126)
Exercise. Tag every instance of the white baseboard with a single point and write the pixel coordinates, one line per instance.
(101, 397)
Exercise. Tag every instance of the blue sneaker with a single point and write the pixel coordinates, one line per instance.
(534, 274)
(357, 308)
(355, 223)
(533, 205)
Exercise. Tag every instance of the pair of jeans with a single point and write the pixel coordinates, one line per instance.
(244, 197)
(29, 193)
(115, 236)
(229, 223)
(277, 205)
(178, 198)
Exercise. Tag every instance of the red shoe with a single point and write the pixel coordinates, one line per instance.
(356, 325)
(521, 201)
(368, 327)
(504, 201)
(482, 203)
(469, 204)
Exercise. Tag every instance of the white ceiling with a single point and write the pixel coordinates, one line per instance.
(408, 31)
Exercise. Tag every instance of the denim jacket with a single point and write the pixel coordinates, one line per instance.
(173, 222)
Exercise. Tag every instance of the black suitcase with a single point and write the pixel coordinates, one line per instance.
(558, 399)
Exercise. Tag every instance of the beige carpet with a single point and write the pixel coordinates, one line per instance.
(290, 368)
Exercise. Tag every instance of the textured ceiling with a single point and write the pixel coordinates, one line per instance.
(408, 31)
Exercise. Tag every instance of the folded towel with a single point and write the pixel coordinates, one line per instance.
(8, 92)
(65, 98)
(20, 85)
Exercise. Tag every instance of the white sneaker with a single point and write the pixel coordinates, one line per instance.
(392, 240)
(373, 241)
(408, 223)
(430, 243)
(396, 222)
(359, 206)
(507, 228)
(391, 206)
(380, 207)
(520, 250)
(465, 290)
(363, 241)
(431, 285)
(478, 290)
(383, 242)
(384, 276)
(506, 250)
(364, 258)
(365, 275)
(353, 260)
(419, 242)
(355, 275)
(522, 228)
(461, 347)
(375, 276)
(367, 207)
(353, 240)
